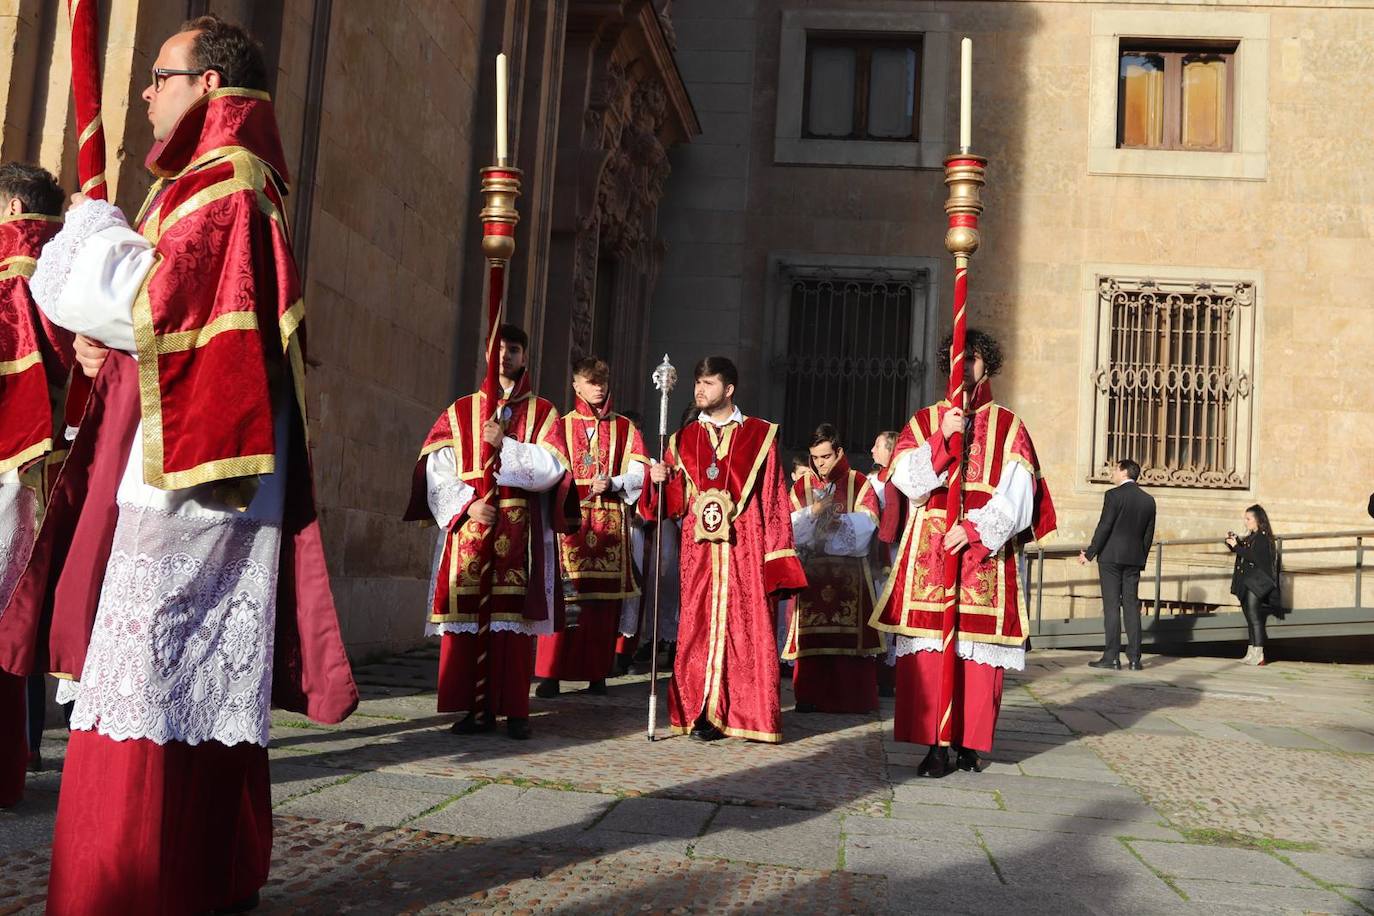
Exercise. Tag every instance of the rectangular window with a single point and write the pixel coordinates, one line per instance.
(854, 347)
(1173, 379)
(862, 88)
(1175, 95)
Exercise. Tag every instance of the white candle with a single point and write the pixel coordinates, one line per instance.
(966, 94)
(502, 118)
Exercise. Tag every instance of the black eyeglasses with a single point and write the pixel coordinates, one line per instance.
(160, 75)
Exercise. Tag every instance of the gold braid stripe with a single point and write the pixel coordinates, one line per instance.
(90, 128)
(15, 366)
(94, 181)
(180, 341)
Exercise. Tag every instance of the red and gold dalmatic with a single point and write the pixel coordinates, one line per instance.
(35, 355)
(992, 624)
(830, 637)
(34, 359)
(519, 602)
(594, 561)
(729, 490)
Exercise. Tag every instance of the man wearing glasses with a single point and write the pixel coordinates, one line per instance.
(181, 554)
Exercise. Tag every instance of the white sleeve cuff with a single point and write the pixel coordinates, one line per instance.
(914, 474)
(446, 492)
(527, 466)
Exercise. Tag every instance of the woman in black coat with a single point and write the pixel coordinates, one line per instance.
(1256, 578)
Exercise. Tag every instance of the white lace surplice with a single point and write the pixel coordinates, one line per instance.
(524, 465)
(18, 525)
(181, 649)
(1003, 516)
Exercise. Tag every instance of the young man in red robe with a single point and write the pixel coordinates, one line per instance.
(725, 482)
(35, 357)
(596, 561)
(830, 641)
(179, 566)
(1007, 501)
(494, 663)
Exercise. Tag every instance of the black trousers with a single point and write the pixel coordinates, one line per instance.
(1120, 599)
(37, 692)
(1252, 605)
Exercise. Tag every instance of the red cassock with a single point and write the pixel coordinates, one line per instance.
(181, 827)
(594, 562)
(34, 359)
(521, 593)
(737, 557)
(830, 639)
(992, 624)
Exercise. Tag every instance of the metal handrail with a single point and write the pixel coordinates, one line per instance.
(1157, 549)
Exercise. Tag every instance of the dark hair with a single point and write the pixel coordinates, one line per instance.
(229, 50)
(1263, 518)
(1130, 467)
(689, 415)
(801, 461)
(718, 365)
(826, 432)
(593, 368)
(34, 186)
(513, 335)
(977, 341)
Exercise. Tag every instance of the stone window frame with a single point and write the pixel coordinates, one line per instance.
(791, 148)
(922, 392)
(1095, 324)
(1249, 156)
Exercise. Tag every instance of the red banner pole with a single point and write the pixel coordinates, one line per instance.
(963, 177)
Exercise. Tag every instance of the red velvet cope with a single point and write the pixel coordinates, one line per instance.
(159, 829)
(508, 685)
(585, 652)
(14, 740)
(977, 701)
(837, 683)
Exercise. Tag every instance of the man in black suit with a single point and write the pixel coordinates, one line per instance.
(1121, 545)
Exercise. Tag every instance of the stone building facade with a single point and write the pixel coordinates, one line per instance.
(1273, 231)
(385, 115)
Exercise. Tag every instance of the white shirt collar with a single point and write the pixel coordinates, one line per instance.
(735, 417)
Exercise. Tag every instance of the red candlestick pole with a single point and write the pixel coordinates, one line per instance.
(964, 178)
(500, 188)
(90, 144)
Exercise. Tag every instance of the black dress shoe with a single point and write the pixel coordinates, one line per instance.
(471, 725)
(806, 707)
(547, 689)
(519, 729)
(597, 687)
(968, 761)
(705, 731)
(936, 763)
(1135, 665)
(1112, 664)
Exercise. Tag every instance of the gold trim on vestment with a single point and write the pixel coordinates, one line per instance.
(180, 341)
(779, 555)
(23, 363)
(37, 450)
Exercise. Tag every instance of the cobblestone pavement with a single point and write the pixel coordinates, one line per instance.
(1196, 786)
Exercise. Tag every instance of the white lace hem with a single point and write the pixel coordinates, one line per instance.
(526, 628)
(1009, 657)
(67, 691)
(55, 263)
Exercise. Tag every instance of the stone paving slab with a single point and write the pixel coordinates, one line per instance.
(1207, 728)
(28, 825)
(943, 831)
(933, 861)
(659, 817)
(1280, 736)
(1269, 899)
(611, 841)
(930, 792)
(369, 805)
(292, 779)
(510, 812)
(1049, 823)
(1217, 863)
(1082, 806)
(1350, 740)
(988, 781)
(396, 779)
(1349, 871)
(800, 839)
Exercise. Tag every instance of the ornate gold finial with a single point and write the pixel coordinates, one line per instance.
(500, 188)
(964, 177)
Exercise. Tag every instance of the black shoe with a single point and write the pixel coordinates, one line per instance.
(597, 687)
(623, 662)
(968, 761)
(471, 725)
(705, 731)
(1135, 665)
(806, 707)
(241, 906)
(1113, 664)
(936, 763)
(519, 729)
(547, 689)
